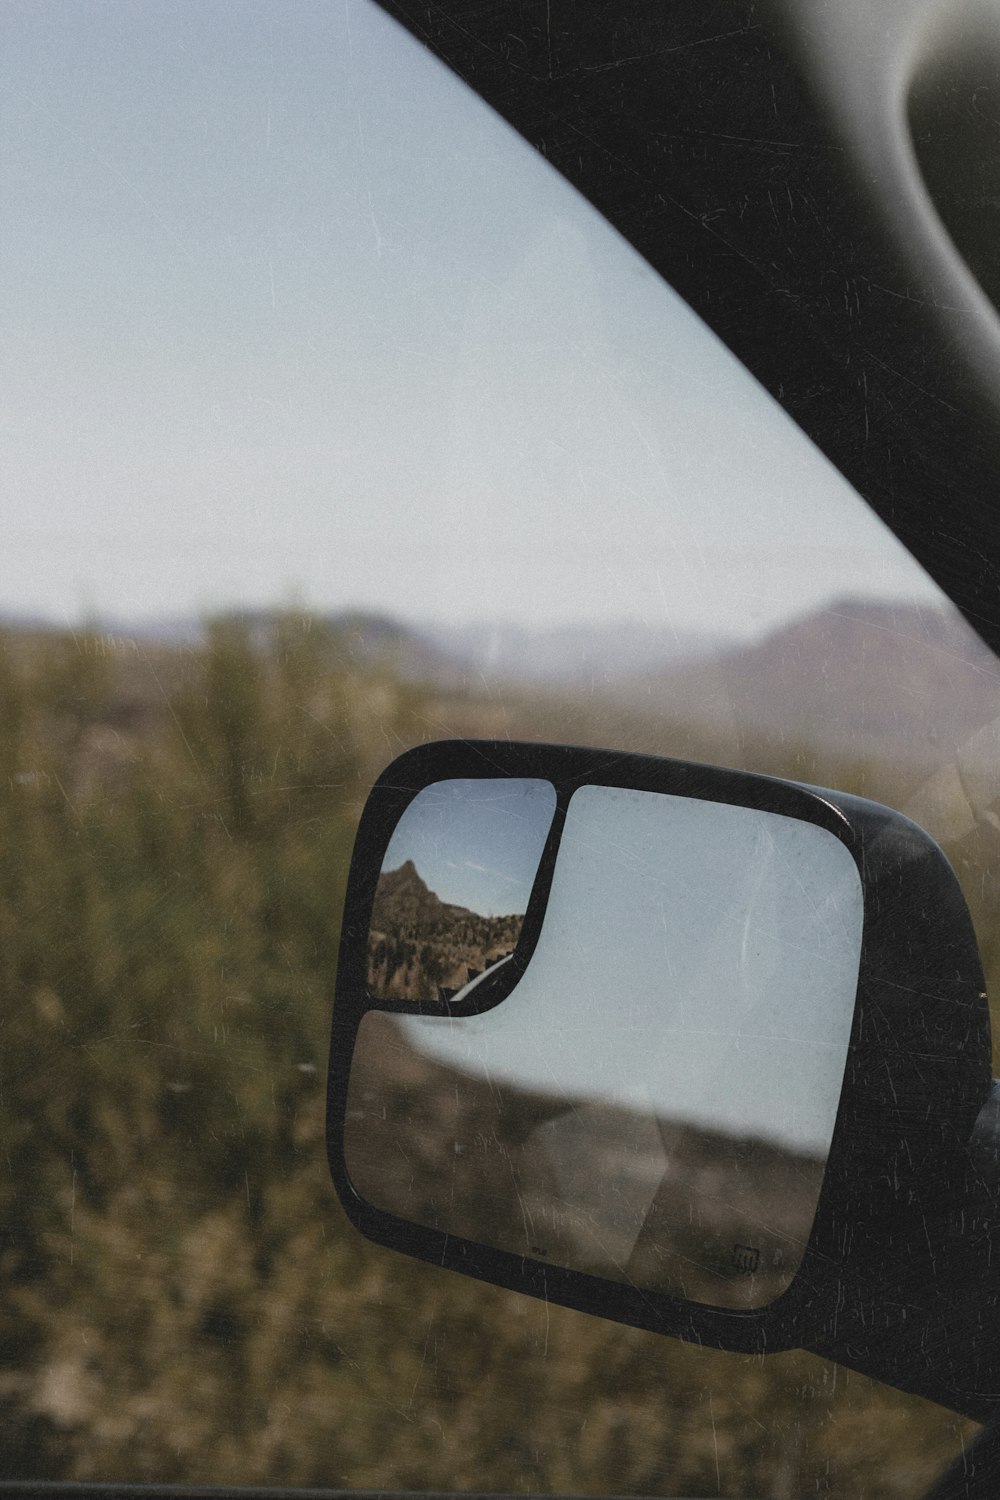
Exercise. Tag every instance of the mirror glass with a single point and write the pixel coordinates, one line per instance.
(655, 1099)
(454, 886)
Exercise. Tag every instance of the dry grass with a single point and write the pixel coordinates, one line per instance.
(182, 1299)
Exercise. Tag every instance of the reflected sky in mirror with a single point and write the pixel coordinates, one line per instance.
(476, 842)
(655, 1098)
(695, 958)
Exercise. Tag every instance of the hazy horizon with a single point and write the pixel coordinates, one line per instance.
(738, 632)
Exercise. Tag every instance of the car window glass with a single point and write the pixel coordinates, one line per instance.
(335, 421)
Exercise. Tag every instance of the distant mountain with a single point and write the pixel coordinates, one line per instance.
(370, 639)
(452, 656)
(365, 638)
(583, 655)
(467, 656)
(404, 902)
(859, 676)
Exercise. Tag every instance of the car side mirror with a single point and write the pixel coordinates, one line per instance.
(673, 1044)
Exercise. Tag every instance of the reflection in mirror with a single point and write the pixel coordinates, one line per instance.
(654, 1101)
(454, 886)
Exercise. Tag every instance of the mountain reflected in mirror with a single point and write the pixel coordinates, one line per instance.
(455, 885)
(423, 948)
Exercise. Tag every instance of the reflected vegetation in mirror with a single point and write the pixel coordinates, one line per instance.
(455, 884)
(655, 1099)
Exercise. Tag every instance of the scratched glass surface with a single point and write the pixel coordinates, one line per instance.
(335, 421)
(654, 1099)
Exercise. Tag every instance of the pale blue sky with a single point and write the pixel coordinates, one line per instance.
(289, 314)
(477, 842)
(697, 959)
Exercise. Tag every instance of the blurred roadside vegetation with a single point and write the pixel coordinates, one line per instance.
(181, 1299)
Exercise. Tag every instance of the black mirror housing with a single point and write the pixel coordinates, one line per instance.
(916, 1073)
